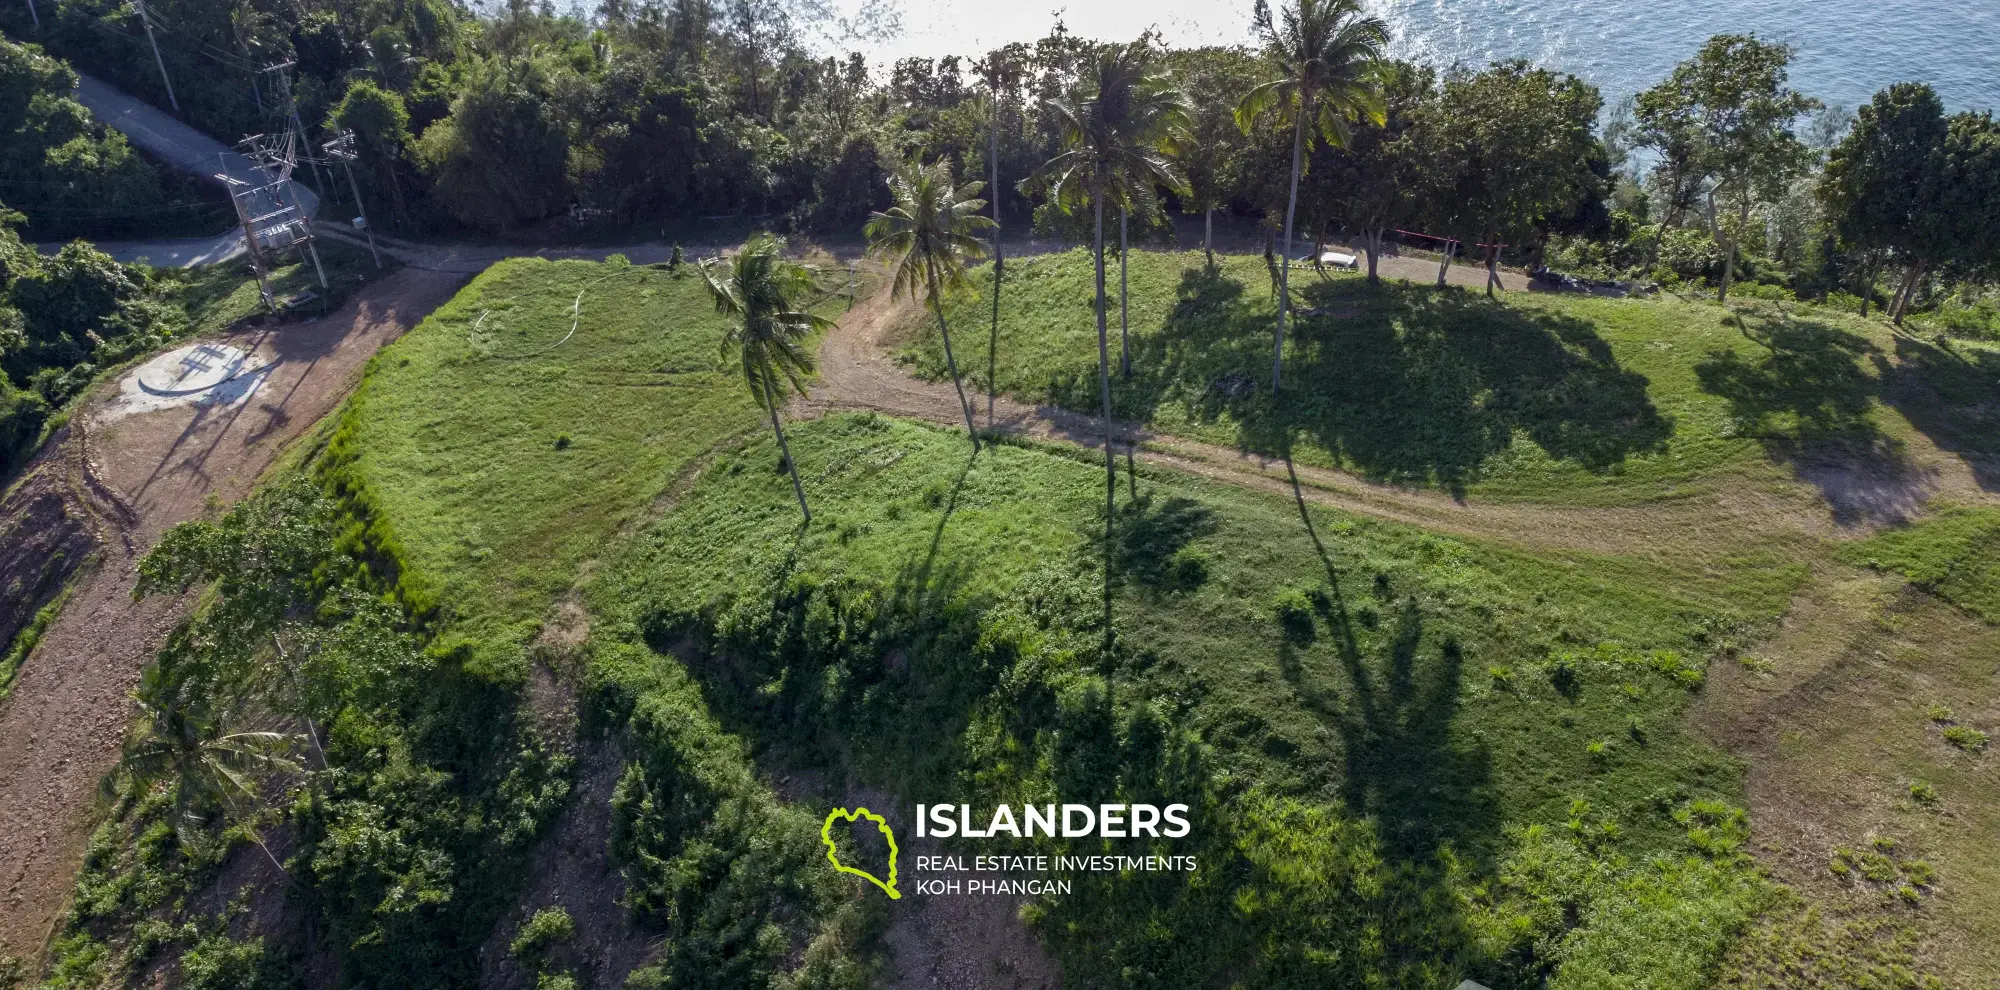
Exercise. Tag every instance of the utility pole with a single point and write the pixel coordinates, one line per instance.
(157, 60)
(35, 15)
(236, 198)
(341, 149)
(282, 72)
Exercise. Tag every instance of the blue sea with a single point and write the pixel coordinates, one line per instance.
(1846, 49)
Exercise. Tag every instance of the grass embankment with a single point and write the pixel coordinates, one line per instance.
(474, 477)
(1559, 398)
(1409, 752)
(495, 452)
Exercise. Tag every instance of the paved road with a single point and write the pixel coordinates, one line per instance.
(184, 148)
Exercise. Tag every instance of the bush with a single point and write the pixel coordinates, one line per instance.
(1294, 611)
(549, 926)
(1965, 737)
(22, 415)
(220, 963)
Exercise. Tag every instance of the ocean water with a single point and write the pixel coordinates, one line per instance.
(1847, 49)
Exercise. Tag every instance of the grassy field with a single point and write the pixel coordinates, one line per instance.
(1565, 399)
(1954, 554)
(496, 451)
(1412, 758)
(1454, 714)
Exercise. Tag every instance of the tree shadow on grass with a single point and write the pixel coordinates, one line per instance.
(1952, 395)
(1152, 537)
(1427, 790)
(1805, 396)
(1402, 383)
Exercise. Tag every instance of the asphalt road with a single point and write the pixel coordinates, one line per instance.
(184, 148)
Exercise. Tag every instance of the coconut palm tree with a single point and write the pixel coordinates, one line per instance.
(1328, 54)
(1117, 132)
(186, 740)
(763, 296)
(924, 240)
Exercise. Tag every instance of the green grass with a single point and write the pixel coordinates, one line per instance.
(25, 641)
(1954, 554)
(218, 297)
(496, 457)
(1355, 687)
(1557, 398)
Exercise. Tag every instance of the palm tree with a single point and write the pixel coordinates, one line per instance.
(186, 741)
(763, 296)
(1117, 134)
(924, 239)
(1328, 54)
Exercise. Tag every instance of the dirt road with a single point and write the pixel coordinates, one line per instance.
(856, 373)
(128, 479)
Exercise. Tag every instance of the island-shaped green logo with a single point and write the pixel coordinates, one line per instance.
(826, 836)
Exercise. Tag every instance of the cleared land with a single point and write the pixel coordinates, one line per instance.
(124, 485)
(1477, 748)
(1562, 399)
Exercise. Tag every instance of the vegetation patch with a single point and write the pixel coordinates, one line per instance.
(493, 449)
(1560, 398)
(1954, 554)
(1364, 809)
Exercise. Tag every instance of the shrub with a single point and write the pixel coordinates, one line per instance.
(549, 926)
(221, 963)
(22, 414)
(1965, 737)
(1293, 609)
(1923, 793)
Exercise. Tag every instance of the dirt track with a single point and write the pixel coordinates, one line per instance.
(127, 482)
(856, 373)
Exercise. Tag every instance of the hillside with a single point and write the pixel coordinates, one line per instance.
(568, 645)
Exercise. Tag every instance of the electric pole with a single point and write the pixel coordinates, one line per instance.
(291, 119)
(35, 15)
(238, 192)
(157, 60)
(341, 149)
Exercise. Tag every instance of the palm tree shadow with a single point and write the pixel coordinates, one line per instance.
(1427, 790)
(1150, 536)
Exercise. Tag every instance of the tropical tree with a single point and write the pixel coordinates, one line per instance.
(1508, 150)
(1328, 54)
(1379, 179)
(1723, 122)
(763, 295)
(187, 740)
(1213, 79)
(1910, 180)
(924, 240)
(1117, 132)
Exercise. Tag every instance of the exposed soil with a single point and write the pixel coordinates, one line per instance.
(856, 373)
(46, 533)
(126, 483)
